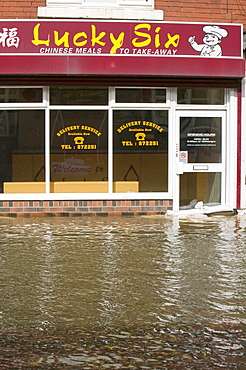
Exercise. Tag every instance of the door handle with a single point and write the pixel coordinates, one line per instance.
(200, 167)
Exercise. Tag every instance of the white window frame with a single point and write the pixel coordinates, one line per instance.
(229, 109)
(94, 3)
(93, 9)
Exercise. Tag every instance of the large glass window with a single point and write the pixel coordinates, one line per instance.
(22, 151)
(141, 150)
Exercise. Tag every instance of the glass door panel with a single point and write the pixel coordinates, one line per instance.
(200, 186)
(201, 137)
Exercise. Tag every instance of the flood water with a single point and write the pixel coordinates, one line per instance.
(123, 293)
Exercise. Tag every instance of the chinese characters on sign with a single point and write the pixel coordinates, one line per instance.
(8, 37)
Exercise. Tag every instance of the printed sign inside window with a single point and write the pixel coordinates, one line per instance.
(79, 145)
(138, 131)
(79, 130)
(201, 137)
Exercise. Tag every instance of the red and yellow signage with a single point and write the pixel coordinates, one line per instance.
(138, 135)
(121, 38)
(163, 42)
(79, 137)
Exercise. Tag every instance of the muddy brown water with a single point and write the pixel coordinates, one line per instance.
(123, 293)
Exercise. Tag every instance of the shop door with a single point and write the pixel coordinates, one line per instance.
(201, 158)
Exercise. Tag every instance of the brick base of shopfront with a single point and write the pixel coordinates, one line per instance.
(71, 208)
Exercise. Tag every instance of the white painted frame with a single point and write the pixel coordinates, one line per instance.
(118, 9)
(228, 166)
(104, 4)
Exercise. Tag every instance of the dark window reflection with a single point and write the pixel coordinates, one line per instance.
(79, 95)
(140, 95)
(196, 95)
(21, 95)
(21, 146)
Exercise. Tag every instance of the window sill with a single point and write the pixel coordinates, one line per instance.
(102, 13)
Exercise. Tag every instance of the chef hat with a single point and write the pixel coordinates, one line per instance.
(215, 30)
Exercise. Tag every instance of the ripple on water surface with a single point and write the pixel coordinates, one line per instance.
(123, 293)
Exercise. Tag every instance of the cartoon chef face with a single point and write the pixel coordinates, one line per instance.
(211, 39)
(213, 35)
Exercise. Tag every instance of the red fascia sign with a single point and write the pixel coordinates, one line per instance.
(120, 47)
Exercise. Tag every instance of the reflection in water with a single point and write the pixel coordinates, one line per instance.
(123, 293)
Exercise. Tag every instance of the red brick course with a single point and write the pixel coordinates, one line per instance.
(79, 208)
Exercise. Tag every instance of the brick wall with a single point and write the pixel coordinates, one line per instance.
(217, 11)
(83, 208)
(20, 9)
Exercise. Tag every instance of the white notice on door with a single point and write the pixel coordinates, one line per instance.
(183, 156)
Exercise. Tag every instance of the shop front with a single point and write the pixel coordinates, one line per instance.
(107, 117)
